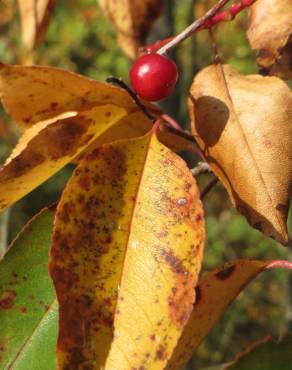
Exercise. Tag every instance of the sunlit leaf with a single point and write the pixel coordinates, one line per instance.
(48, 147)
(214, 294)
(35, 17)
(28, 307)
(65, 115)
(243, 125)
(36, 93)
(127, 249)
(267, 354)
(132, 20)
(270, 32)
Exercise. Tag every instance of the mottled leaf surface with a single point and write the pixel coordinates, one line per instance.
(127, 249)
(214, 294)
(268, 354)
(243, 125)
(35, 17)
(270, 31)
(65, 115)
(132, 20)
(35, 93)
(48, 147)
(28, 307)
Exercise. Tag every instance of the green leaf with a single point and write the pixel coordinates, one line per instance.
(28, 309)
(267, 355)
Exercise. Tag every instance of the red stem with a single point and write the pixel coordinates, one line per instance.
(210, 19)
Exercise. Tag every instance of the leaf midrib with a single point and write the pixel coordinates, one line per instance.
(30, 337)
(247, 143)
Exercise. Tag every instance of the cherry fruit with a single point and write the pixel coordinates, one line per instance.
(153, 76)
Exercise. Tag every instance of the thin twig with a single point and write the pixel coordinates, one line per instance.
(182, 133)
(202, 167)
(171, 124)
(192, 28)
(171, 121)
(211, 184)
(119, 82)
(206, 22)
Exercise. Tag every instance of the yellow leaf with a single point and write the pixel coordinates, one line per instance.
(37, 93)
(48, 146)
(67, 114)
(35, 18)
(214, 294)
(270, 32)
(243, 125)
(132, 19)
(126, 253)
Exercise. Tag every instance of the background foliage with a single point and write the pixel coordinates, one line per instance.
(81, 39)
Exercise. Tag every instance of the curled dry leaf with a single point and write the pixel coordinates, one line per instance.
(126, 252)
(35, 17)
(270, 32)
(132, 20)
(214, 294)
(243, 125)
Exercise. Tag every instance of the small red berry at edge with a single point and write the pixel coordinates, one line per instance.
(153, 76)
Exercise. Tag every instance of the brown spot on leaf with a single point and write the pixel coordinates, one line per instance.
(84, 182)
(199, 217)
(198, 291)
(22, 164)
(23, 310)
(181, 209)
(161, 353)
(66, 212)
(173, 261)
(54, 105)
(226, 273)
(182, 296)
(152, 337)
(7, 299)
(181, 300)
(64, 137)
(66, 279)
(3, 346)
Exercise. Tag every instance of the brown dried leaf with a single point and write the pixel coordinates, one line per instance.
(132, 19)
(35, 17)
(243, 125)
(214, 294)
(270, 32)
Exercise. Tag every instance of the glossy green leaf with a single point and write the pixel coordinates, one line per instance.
(28, 309)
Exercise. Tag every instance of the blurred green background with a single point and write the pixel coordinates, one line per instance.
(81, 39)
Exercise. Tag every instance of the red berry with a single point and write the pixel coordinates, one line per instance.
(153, 77)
